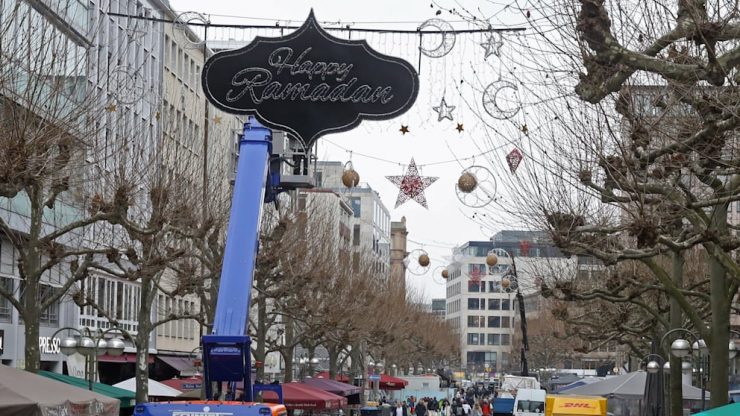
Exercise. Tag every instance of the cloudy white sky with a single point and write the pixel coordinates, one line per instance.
(446, 223)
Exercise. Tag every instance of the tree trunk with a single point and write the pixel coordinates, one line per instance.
(676, 321)
(261, 341)
(142, 340)
(28, 270)
(718, 342)
(333, 361)
(287, 350)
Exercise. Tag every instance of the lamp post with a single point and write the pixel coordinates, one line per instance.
(91, 345)
(696, 351)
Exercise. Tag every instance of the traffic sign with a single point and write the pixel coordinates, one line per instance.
(374, 377)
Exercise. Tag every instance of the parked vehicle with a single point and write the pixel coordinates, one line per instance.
(529, 402)
(556, 405)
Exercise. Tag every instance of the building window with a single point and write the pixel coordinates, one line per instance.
(473, 304)
(494, 322)
(494, 304)
(505, 304)
(473, 322)
(474, 286)
(494, 287)
(356, 204)
(472, 339)
(6, 308)
(494, 339)
(356, 235)
(505, 322)
(505, 339)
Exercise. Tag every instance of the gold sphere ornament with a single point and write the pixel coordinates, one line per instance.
(350, 178)
(467, 182)
(505, 282)
(445, 274)
(491, 260)
(424, 260)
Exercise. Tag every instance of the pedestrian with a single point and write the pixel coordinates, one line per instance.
(466, 408)
(400, 409)
(477, 411)
(421, 408)
(432, 406)
(486, 408)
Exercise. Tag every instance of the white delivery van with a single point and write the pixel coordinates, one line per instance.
(529, 402)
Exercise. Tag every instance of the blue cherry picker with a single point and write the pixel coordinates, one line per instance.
(226, 353)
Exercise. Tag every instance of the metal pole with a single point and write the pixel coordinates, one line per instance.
(703, 380)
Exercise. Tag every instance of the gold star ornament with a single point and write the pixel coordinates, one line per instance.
(217, 119)
(404, 129)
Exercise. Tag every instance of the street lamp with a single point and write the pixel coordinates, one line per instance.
(91, 345)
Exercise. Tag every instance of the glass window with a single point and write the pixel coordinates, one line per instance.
(356, 204)
(473, 304)
(356, 235)
(494, 339)
(473, 322)
(494, 304)
(505, 339)
(494, 287)
(474, 286)
(472, 339)
(6, 308)
(505, 304)
(505, 322)
(494, 322)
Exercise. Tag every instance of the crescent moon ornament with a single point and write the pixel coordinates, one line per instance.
(445, 44)
(491, 102)
(128, 85)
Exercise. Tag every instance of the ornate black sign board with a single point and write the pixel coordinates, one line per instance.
(310, 83)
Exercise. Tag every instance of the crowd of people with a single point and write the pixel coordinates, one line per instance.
(475, 401)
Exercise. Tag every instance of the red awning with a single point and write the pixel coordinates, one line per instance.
(386, 382)
(126, 357)
(392, 383)
(333, 386)
(184, 384)
(304, 397)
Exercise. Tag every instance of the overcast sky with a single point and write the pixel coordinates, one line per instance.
(446, 223)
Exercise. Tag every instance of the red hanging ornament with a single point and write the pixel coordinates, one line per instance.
(514, 158)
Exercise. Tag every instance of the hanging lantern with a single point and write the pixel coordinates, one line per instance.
(445, 273)
(491, 259)
(505, 282)
(350, 177)
(424, 260)
(467, 182)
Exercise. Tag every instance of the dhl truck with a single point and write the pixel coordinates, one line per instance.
(556, 405)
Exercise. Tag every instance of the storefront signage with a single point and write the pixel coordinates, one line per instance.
(48, 345)
(310, 83)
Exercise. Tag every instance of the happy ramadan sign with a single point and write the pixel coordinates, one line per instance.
(310, 83)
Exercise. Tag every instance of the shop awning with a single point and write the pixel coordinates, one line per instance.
(127, 398)
(304, 397)
(333, 386)
(126, 357)
(156, 389)
(182, 364)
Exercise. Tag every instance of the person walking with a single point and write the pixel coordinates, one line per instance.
(477, 411)
(466, 408)
(400, 409)
(421, 408)
(486, 408)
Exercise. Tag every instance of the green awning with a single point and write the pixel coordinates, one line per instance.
(127, 398)
(729, 410)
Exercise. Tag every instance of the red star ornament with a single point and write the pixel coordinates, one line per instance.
(411, 185)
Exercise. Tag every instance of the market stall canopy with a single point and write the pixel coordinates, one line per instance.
(729, 410)
(184, 384)
(156, 389)
(304, 397)
(26, 394)
(627, 386)
(333, 386)
(386, 382)
(127, 398)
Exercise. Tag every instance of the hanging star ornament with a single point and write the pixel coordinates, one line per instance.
(411, 185)
(404, 129)
(443, 110)
(459, 128)
(492, 45)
